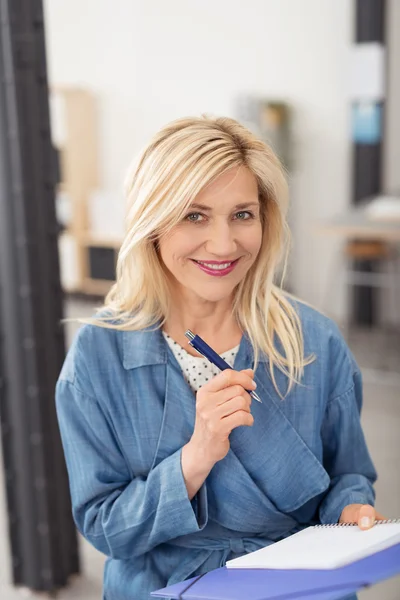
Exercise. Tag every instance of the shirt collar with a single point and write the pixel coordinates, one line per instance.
(148, 347)
(143, 348)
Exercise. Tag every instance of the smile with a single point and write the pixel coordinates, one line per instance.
(217, 268)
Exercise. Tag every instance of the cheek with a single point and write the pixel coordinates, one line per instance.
(176, 247)
(253, 240)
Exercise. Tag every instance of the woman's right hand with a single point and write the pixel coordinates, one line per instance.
(221, 405)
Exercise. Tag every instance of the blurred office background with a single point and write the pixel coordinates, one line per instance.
(309, 78)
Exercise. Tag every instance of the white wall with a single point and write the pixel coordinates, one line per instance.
(151, 61)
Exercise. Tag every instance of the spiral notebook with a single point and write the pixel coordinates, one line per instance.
(322, 547)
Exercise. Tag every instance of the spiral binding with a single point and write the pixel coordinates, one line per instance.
(334, 525)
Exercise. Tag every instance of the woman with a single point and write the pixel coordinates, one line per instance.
(172, 469)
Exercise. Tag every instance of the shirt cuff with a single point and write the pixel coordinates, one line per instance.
(199, 505)
(332, 510)
(193, 512)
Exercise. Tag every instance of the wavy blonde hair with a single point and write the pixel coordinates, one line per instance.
(179, 162)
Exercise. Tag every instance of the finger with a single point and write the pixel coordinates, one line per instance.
(350, 513)
(366, 516)
(231, 377)
(233, 405)
(230, 392)
(238, 418)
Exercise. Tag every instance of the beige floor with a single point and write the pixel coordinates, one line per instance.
(381, 420)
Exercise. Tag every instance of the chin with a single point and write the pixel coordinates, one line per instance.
(214, 295)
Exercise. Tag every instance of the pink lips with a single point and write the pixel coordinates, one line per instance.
(216, 272)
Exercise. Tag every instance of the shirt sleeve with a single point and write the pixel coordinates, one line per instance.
(122, 517)
(346, 456)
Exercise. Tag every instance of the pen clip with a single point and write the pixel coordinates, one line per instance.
(197, 350)
(200, 352)
(190, 335)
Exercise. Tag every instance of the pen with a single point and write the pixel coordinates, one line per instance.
(204, 349)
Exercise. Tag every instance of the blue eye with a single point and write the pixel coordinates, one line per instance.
(249, 215)
(192, 217)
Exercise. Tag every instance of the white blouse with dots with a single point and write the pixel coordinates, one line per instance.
(197, 370)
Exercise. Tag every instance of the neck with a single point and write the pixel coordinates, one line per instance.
(213, 321)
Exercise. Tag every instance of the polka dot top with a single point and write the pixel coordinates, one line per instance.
(197, 370)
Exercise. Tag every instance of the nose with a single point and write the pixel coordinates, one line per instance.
(221, 240)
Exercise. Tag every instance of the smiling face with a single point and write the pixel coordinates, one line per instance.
(210, 251)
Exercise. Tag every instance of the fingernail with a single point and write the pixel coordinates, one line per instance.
(365, 522)
(254, 385)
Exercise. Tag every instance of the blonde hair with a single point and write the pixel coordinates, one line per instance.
(179, 162)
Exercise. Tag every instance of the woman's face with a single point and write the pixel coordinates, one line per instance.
(210, 251)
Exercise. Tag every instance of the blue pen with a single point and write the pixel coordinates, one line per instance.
(204, 349)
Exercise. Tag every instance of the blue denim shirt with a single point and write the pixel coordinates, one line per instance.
(125, 411)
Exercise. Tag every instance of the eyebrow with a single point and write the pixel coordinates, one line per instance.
(208, 208)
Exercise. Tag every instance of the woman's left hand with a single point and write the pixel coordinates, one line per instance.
(364, 515)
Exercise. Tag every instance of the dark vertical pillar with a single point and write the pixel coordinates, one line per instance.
(42, 534)
(367, 158)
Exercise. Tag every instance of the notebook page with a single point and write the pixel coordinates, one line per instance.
(321, 548)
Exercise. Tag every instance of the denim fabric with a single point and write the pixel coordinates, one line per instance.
(125, 411)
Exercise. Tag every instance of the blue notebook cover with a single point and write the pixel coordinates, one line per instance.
(266, 584)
